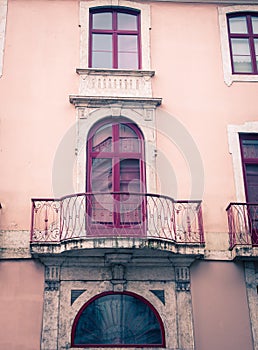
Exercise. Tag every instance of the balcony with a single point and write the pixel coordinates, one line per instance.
(243, 228)
(119, 216)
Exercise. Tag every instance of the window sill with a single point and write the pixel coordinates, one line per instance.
(115, 82)
(231, 78)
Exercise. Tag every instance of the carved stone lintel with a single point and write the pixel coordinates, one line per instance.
(182, 274)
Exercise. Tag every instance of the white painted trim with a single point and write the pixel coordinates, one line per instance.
(3, 15)
(234, 149)
(229, 78)
(85, 6)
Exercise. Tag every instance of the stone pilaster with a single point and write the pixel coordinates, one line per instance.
(49, 338)
(184, 308)
(251, 280)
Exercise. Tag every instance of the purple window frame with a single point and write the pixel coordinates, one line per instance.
(252, 208)
(134, 295)
(249, 35)
(247, 161)
(115, 32)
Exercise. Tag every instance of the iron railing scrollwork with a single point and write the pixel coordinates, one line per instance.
(121, 214)
(243, 224)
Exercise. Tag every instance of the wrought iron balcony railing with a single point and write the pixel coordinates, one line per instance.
(243, 224)
(92, 215)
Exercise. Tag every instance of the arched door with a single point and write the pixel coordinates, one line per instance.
(116, 179)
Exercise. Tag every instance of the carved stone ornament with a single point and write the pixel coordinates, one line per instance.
(182, 274)
(52, 278)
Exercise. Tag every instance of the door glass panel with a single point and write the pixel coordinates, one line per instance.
(101, 204)
(128, 139)
(252, 194)
(238, 24)
(102, 140)
(252, 182)
(130, 202)
(126, 21)
(102, 20)
(241, 56)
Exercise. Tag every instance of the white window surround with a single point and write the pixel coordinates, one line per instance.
(85, 6)
(234, 149)
(229, 78)
(140, 111)
(3, 14)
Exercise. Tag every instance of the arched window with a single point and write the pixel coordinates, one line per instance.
(114, 38)
(116, 176)
(118, 319)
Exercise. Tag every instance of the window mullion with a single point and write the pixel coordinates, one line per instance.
(251, 43)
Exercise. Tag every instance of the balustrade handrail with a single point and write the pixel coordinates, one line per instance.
(125, 214)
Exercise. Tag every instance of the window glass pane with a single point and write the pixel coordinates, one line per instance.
(255, 25)
(250, 149)
(102, 140)
(126, 21)
(102, 42)
(128, 61)
(241, 56)
(127, 43)
(102, 20)
(238, 24)
(102, 59)
(128, 52)
(102, 51)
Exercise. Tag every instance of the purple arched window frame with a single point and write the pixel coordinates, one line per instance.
(114, 41)
(116, 179)
(127, 320)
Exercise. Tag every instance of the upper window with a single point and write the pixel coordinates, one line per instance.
(114, 40)
(118, 319)
(243, 37)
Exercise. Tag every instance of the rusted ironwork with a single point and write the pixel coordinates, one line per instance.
(116, 214)
(243, 224)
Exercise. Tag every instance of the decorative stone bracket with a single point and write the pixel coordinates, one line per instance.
(52, 278)
(182, 275)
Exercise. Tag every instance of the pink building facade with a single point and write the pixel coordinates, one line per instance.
(129, 174)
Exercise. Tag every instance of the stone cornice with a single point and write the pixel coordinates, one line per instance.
(115, 72)
(106, 101)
